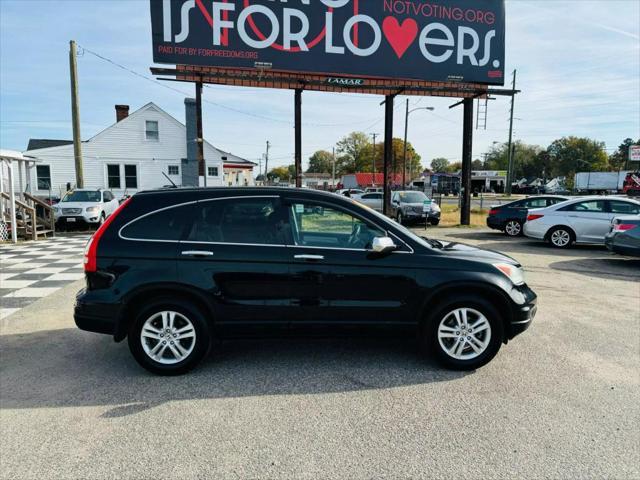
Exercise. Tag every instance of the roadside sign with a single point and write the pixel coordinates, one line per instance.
(634, 153)
(426, 206)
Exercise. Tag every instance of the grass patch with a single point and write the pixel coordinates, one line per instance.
(450, 216)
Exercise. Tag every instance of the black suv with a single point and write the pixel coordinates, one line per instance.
(172, 269)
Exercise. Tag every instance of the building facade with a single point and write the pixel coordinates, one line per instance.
(143, 150)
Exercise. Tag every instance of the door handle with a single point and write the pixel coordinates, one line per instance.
(310, 258)
(197, 253)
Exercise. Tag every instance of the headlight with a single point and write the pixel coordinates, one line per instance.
(93, 209)
(435, 207)
(515, 274)
(55, 209)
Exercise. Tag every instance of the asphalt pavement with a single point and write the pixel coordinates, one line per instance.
(560, 401)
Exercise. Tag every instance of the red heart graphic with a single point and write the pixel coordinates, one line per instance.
(400, 36)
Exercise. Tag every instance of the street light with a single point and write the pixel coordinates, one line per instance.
(406, 131)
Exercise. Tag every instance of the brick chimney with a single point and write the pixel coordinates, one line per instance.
(122, 112)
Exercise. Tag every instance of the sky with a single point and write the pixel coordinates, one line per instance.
(577, 62)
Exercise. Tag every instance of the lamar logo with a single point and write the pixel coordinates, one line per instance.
(347, 82)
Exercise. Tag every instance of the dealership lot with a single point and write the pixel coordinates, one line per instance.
(562, 401)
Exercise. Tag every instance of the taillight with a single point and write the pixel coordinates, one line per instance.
(493, 211)
(91, 250)
(533, 216)
(623, 227)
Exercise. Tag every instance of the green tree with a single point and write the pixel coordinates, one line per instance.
(618, 159)
(440, 165)
(573, 154)
(397, 158)
(477, 164)
(283, 174)
(525, 159)
(454, 167)
(320, 162)
(355, 153)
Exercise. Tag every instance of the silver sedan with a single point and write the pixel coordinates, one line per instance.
(581, 220)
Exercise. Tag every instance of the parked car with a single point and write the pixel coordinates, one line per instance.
(510, 217)
(371, 200)
(582, 220)
(173, 269)
(87, 206)
(374, 190)
(408, 207)
(349, 192)
(624, 236)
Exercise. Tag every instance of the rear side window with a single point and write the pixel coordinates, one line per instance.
(536, 203)
(617, 206)
(589, 206)
(164, 225)
(259, 221)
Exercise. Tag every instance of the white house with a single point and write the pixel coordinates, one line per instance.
(133, 154)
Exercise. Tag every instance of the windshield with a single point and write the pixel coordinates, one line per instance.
(82, 196)
(412, 197)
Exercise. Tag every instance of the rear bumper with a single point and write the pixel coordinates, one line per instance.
(495, 223)
(535, 230)
(94, 316)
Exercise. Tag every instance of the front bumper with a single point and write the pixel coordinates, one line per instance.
(69, 220)
(413, 216)
(524, 309)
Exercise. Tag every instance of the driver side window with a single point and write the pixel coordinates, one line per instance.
(320, 226)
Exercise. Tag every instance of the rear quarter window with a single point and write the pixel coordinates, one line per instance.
(167, 224)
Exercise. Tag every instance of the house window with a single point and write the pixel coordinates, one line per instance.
(151, 130)
(113, 176)
(130, 176)
(43, 174)
(173, 170)
(212, 171)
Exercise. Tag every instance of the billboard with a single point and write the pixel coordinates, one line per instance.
(427, 40)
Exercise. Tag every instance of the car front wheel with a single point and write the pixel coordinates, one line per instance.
(169, 338)
(465, 334)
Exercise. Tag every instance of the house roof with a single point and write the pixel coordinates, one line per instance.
(36, 143)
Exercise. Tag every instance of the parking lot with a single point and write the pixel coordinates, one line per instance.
(561, 401)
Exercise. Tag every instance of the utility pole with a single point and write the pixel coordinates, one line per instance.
(75, 113)
(298, 137)
(404, 156)
(510, 164)
(202, 168)
(374, 135)
(333, 171)
(266, 164)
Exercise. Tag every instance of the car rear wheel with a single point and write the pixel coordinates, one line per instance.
(464, 334)
(513, 228)
(169, 338)
(561, 237)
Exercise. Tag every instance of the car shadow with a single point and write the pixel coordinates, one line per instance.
(616, 267)
(71, 368)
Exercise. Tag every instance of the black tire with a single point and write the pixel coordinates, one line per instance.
(557, 233)
(202, 341)
(513, 228)
(434, 221)
(432, 323)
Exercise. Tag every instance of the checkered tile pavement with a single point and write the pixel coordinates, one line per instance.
(33, 270)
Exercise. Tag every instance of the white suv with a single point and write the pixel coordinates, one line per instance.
(85, 205)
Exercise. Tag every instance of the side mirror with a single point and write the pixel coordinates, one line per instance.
(383, 245)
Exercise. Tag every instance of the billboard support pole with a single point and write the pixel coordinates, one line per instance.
(298, 137)
(202, 171)
(467, 149)
(388, 150)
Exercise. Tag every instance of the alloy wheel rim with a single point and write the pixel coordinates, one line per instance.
(513, 228)
(464, 333)
(560, 238)
(168, 337)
